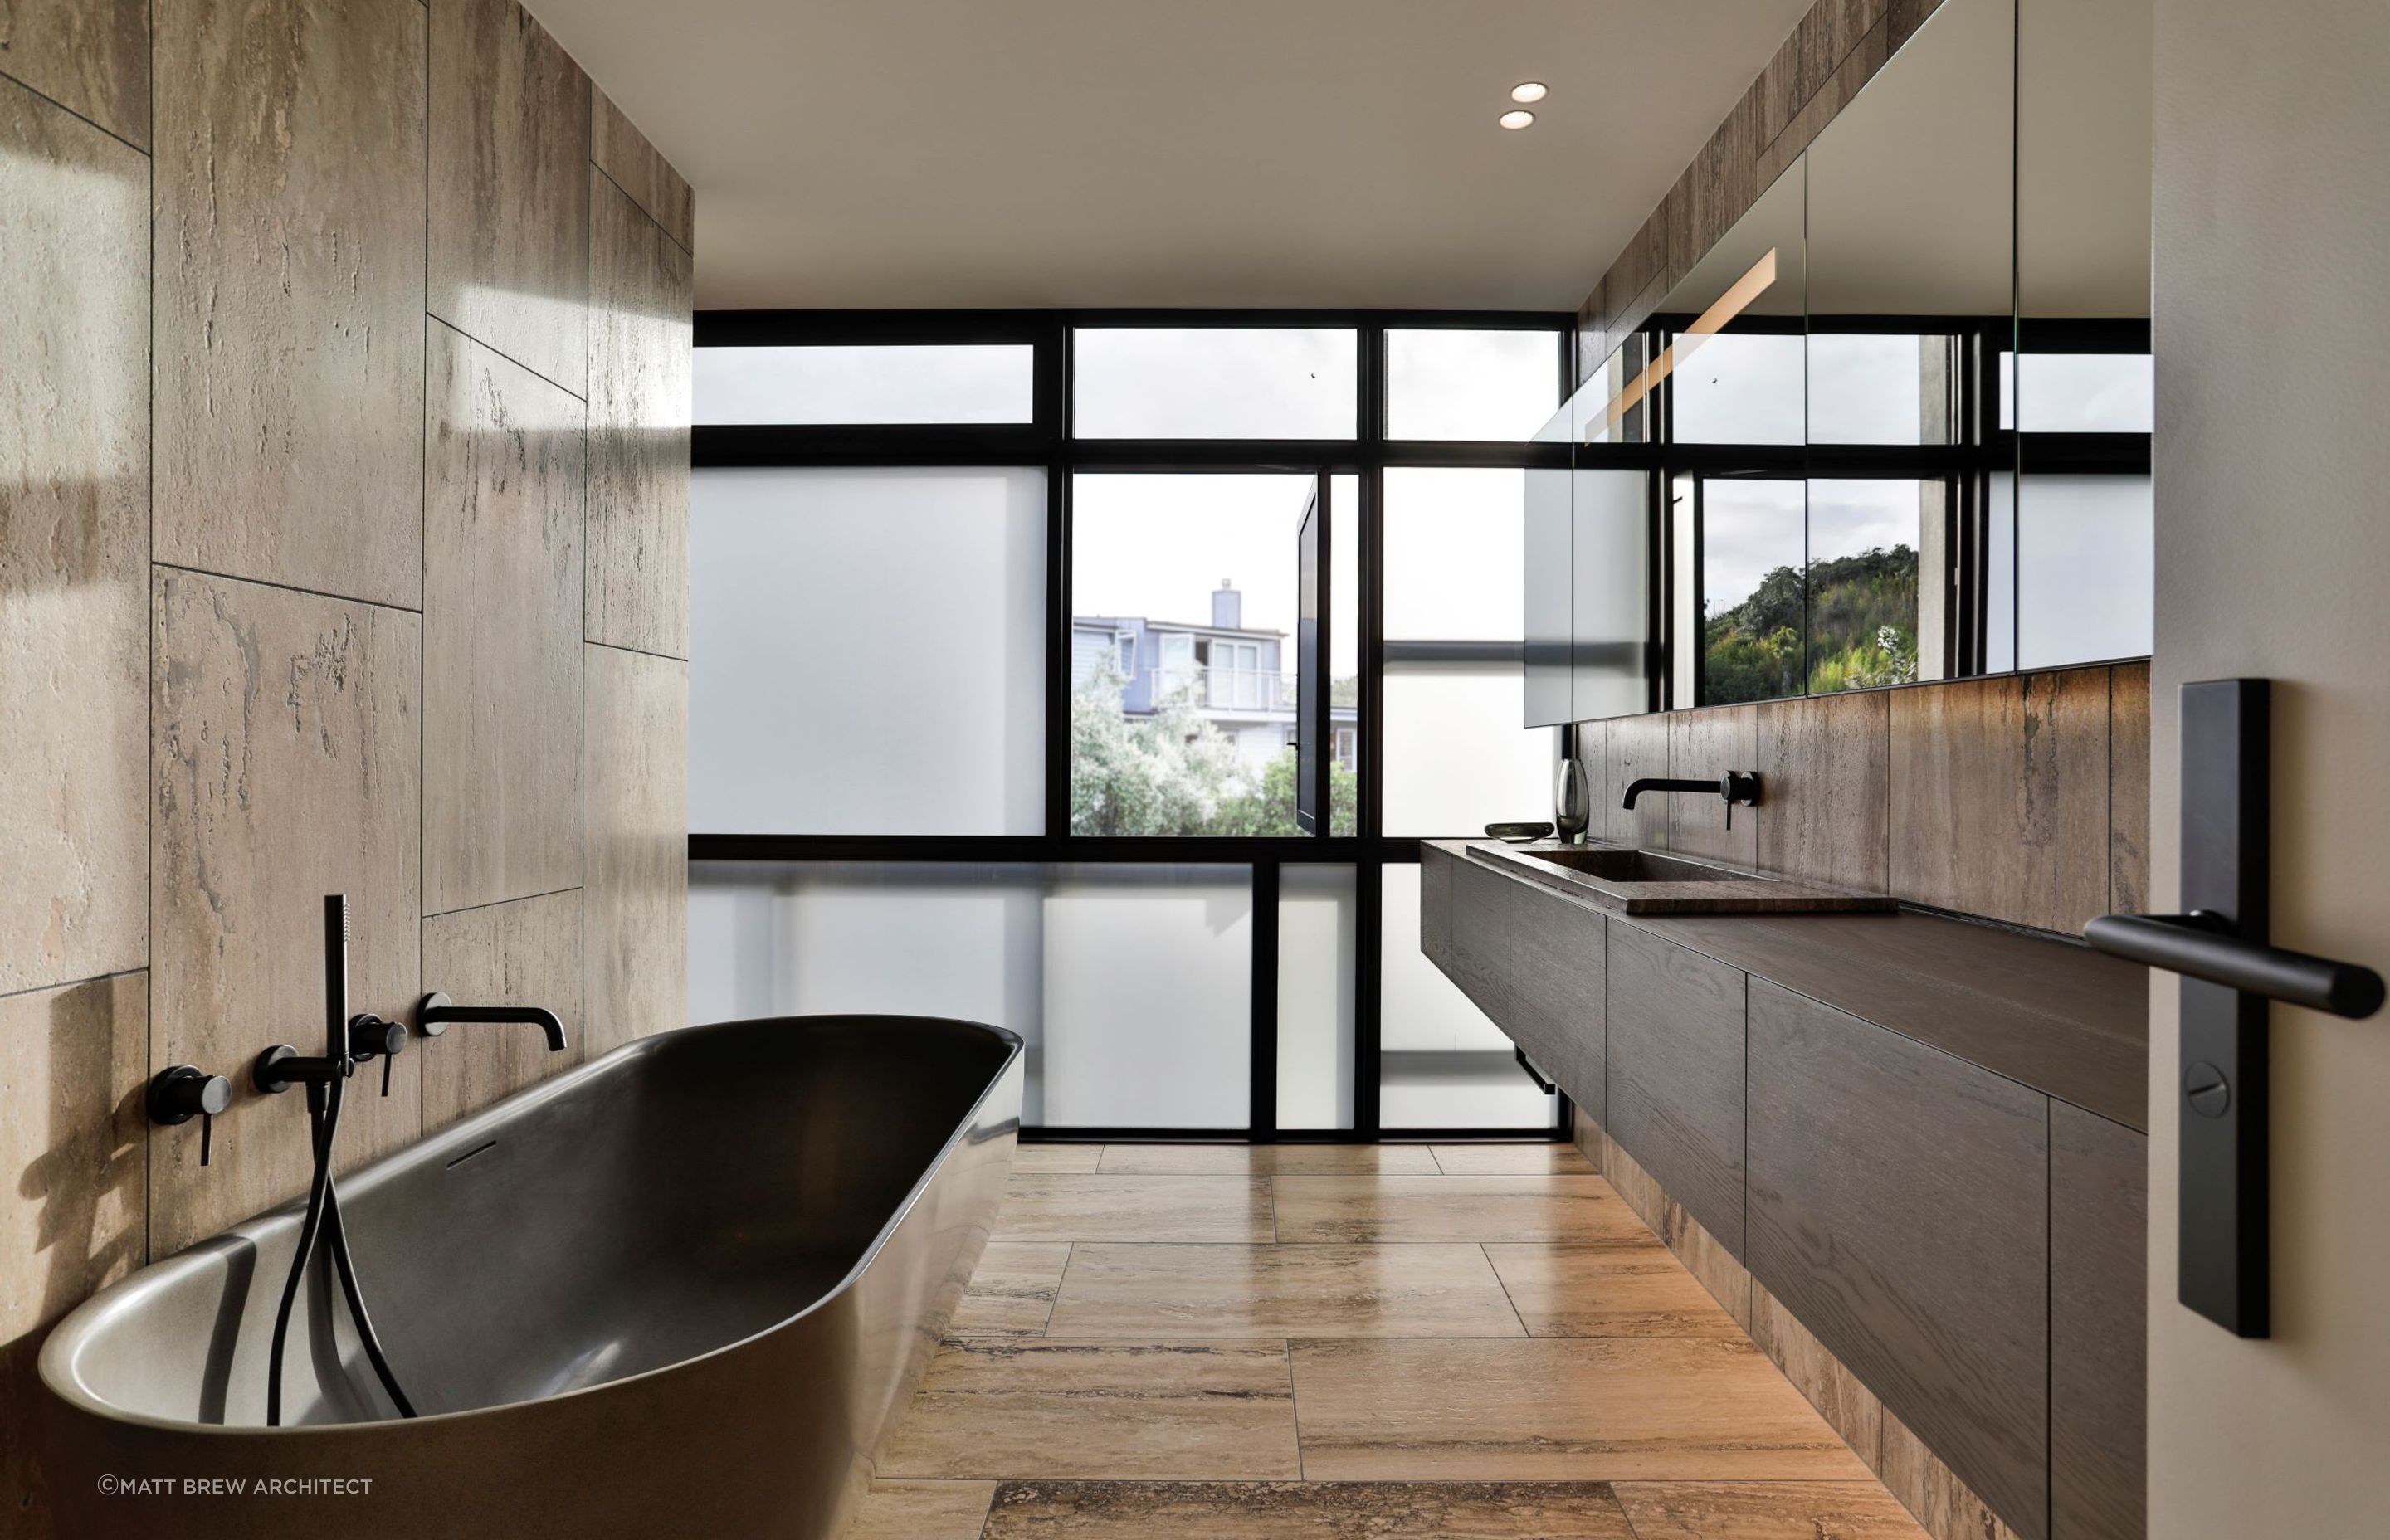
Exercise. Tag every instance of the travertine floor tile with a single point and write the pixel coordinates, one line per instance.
(1765, 1510)
(1055, 1159)
(1135, 1207)
(1667, 1408)
(1511, 1159)
(1012, 1291)
(1435, 1291)
(1028, 1408)
(1363, 1208)
(922, 1510)
(1268, 1159)
(1632, 1289)
(1257, 1510)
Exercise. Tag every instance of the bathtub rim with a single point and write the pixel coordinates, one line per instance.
(54, 1364)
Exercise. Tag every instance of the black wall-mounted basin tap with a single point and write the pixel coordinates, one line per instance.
(436, 1011)
(1734, 787)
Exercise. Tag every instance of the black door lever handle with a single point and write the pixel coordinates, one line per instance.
(2203, 946)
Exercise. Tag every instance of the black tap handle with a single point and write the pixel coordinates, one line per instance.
(385, 1072)
(206, 1135)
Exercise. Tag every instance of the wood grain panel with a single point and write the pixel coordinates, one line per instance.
(288, 293)
(74, 522)
(510, 197)
(286, 750)
(1633, 1288)
(1011, 1292)
(1135, 1207)
(2129, 789)
(1127, 1411)
(1676, 1074)
(526, 953)
(1848, 1406)
(2098, 1309)
(1307, 1510)
(631, 164)
(1718, 1271)
(1559, 999)
(1437, 868)
(1638, 746)
(502, 631)
(1765, 1510)
(1247, 1290)
(1267, 1160)
(1557, 1408)
(73, 1062)
(1825, 767)
(1389, 1210)
(1507, 1160)
(639, 406)
(922, 1510)
(1899, 1208)
(2000, 797)
(1484, 964)
(1703, 745)
(90, 57)
(2061, 1019)
(1943, 1505)
(634, 783)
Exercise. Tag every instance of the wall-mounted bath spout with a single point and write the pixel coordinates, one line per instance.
(1735, 785)
(436, 1011)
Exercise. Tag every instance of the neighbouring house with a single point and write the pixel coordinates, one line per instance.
(1237, 677)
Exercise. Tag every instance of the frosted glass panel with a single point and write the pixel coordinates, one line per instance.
(1148, 997)
(1487, 385)
(1215, 382)
(1456, 758)
(1318, 920)
(1612, 606)
(1456, 544)
(2085, 550)
(1131, 986)
(2000, 575)
(1444, 1063)
(866, 651)
(826, 385)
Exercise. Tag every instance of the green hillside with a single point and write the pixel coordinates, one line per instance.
(1862, 627)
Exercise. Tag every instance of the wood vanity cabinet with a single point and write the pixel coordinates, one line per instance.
(1899, 1206)
(1435, 908)
(1482, 936)
(1676, 1093)
(2098, 1311)
(1558, 1010)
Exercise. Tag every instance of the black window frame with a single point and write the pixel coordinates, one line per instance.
(1047, 443)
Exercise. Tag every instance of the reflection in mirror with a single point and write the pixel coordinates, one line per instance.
(1752, 548)
(1730, 332)
(1910, 225)
(2081, 391)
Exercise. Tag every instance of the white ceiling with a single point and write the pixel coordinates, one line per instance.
(1168, 152)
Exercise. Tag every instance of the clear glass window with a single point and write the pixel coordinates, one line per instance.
(2079, 393)
(1497, 386)
(1204, 570)
(1737, 387)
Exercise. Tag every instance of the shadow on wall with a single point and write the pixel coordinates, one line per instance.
(70, 1072)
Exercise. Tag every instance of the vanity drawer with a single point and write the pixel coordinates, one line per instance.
(1675, 1062)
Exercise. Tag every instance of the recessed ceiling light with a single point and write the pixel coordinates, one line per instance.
(1528, 91)
(1516, 118)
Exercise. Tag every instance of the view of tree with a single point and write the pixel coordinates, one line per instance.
(1861, 613)
(1174, 773)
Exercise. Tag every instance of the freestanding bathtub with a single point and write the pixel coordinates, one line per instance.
(683, 1290)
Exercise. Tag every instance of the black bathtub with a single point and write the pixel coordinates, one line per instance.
(682, 1291)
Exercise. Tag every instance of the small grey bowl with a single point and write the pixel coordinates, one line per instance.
(1518, 834)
